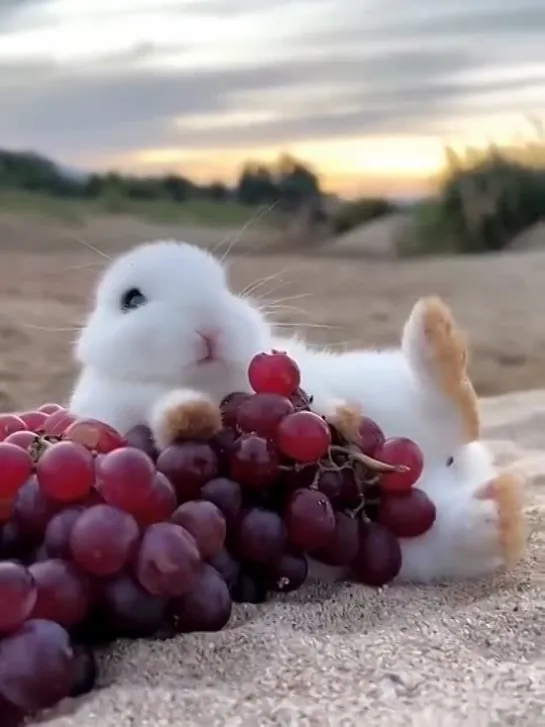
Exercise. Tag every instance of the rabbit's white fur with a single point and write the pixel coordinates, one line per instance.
(137, 365)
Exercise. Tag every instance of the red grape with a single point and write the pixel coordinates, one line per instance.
(342, 546)
(63, 592)
(103, 540)
(32, 509)
(129, 609)
(84, 671)
(226, 495)
(168, 561)
(370, 436)
(34, 420)
(274, 373)
(141, 437)
(400, 451)
(58, 531)
(407, 516)
(15, 469)
(204, 521)
(260, 536)
(95, 435)
(310, 520)
(227, 567)
(229, 407)
(205, 607)
(58, 423)
(262, 413)
(288, 573)
(304, 436)
(23, 438)
(125, 478)
(36, 665)
(10, 423)
(378, 560)
(66, 472)
(17, 595)
(160, 504)
(51, 408)
(188, 465)
(254, 462)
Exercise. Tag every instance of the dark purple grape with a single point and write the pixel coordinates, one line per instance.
(370, 436)
(227, 567)
(141, 437)
(262, 413)
(330, 482)
(288, 573)
(226, 495)
(249, 589)
(205, 522)
(13, 544)
(350, 495)
(310, 520)
(130, 610)
(407, 516)
(63, 592)
(188, 466)
(255, 462)
(32, 510)
(342, 547)
(206, 607)
(18, 594)
(260, 536)
(378, 560)
(58, 531)
(84, 674)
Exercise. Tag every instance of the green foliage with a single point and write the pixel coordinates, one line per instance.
(359, 212)
(485, 200)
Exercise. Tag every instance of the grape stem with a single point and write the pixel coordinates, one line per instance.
(374, 464)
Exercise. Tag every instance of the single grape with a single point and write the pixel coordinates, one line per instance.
(66, 472)
(303, 436)
(24, 438)
(370, 436)
(10, 423)
(84, 673)
(378, 560)
(229, 407)
(63, 592)
(310, 520)
(350, 496)
(400, 451)
(51, 408)
(407, 516)
(330, 482)
(13, 544)
(58, 423)
(274, 373)
(58, 531)
(15, 469)
(288, 573)
(36, 664)
(206, 607)
(125, 478)
(95, 435)
(160, 504)
(103, 540)
(260, 536)
(226, 496)
(141, 437)
(188, 466)
(249, 589)
(32, 509)
(168, 560)
(227, 567)
(17, 595)
(204, 521)
(254, 463)
(342, 547)
(11, 715)
(262, 413)
(129, 609)
(34, 420)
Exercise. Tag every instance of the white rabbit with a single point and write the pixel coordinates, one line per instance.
(167, 340)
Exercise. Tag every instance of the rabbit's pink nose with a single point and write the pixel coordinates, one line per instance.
(209, 346)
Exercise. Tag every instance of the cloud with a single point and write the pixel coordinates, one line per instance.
(327, 69)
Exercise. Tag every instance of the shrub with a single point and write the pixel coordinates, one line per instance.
(352, 214)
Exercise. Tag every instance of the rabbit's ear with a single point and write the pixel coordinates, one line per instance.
(437, 352)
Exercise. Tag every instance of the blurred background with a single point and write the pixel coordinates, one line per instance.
(347, 155)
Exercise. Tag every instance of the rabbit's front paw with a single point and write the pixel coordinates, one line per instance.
(184, 414)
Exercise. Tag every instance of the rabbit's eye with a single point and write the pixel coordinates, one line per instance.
(132, 299)
(450, 461)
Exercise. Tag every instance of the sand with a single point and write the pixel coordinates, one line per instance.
(470, 654)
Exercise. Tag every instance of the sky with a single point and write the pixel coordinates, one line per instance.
(366, 91)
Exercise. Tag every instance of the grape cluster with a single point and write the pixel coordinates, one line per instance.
(103, 536)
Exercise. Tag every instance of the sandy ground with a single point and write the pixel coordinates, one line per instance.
(339, 656)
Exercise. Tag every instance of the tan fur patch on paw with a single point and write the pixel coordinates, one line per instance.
(448, 348)
(199, 419)
(508, 491)
(346, 419)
